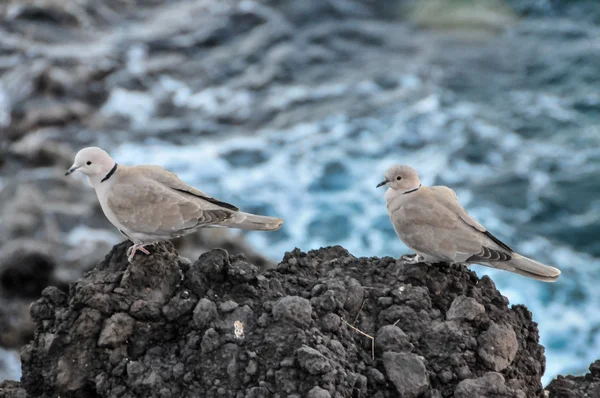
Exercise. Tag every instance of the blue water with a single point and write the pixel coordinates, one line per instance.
(10, 368)
(321, 176)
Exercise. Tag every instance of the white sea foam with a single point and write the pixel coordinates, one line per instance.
(138, 106)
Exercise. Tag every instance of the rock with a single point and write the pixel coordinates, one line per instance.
(136, 330)
(415, 297)
(577, 386)
(392, 338)
(16, 324)
(41, 148)
(179, 305)
(375, 376)
(440, 335)
(466, 308)
(25, 270)
(204, 313)
(312, 361)
(489, 385)
(210, 341)
(117, 329)
(411, 322)
(293, 309)
(12, 389)
(331, 322)
(497, 346)
(213, 264)
(56, 296)
(228, 306)
(407, 372)
(318, 392)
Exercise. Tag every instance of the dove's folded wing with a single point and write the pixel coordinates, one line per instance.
(144, 205)
(448, 198)
(171, 180)
(431, 228)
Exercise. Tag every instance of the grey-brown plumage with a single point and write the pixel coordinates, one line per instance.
(149, 204)
(431, 221)
(151, 201)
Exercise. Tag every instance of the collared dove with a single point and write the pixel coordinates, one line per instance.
(431, 221)
(148, 204)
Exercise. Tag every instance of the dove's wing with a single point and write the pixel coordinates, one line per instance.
(171, 180)
(434, 223)
(448, 198)
(147, 205)
(433, 230)
(492, 252)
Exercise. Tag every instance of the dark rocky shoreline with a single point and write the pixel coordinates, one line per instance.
(217, 327)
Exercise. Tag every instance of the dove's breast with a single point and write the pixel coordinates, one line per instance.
(395, 200)
(102, 192)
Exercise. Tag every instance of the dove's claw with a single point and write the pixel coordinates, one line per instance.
(133, 249)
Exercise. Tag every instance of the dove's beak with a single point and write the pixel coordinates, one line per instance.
(71, 170)
(382, 183)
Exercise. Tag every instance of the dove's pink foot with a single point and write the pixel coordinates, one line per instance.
(133, 249)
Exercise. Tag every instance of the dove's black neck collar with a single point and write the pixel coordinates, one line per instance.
(110, 173)
(412, 190)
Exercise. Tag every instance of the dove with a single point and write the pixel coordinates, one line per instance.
(149, 204)
(431, 221)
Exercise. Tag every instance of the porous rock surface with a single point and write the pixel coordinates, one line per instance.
(577, 386)
(166, 327)
(12, 389)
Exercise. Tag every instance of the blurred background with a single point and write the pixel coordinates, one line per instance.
(295, 109)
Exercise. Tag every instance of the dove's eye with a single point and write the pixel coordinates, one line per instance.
(89, 163)
(398, 178)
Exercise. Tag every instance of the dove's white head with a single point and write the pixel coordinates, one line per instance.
(401, 178)
(94, 162)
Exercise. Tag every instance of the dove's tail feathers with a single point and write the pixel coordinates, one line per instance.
(528, 267)
(253, 222)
